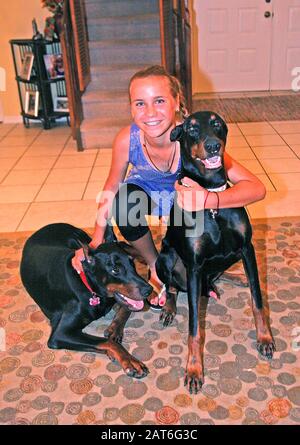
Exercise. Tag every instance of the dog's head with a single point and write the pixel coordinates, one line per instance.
(202, 139)
(111, 273)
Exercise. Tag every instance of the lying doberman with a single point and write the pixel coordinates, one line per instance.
(71, 301)
(193, 263)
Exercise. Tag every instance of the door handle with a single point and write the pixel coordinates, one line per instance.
(267, 14)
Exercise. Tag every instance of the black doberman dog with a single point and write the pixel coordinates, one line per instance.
(71, 301)
(192, 262)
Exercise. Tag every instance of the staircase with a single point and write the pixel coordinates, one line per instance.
(124, 36)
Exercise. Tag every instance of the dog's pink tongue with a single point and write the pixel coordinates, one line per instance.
(138, 305)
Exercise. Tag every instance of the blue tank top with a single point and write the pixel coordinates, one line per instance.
(159, 186)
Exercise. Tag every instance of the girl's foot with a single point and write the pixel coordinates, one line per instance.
(158, 298)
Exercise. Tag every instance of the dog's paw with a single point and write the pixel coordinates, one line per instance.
(266, 349)
(167, 317)
(137, 373)
(194, 383)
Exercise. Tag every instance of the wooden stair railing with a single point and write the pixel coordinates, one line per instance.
(175, 35)
(74, 44)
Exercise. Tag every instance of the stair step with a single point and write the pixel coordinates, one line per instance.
(105, 104)
(111, 8)
(131, 27)
(114, 78)
(125, 51)
(100, 132)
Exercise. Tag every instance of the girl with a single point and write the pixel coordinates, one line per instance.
(157, 105)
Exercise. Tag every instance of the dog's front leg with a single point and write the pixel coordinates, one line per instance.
(265, 341)
(67, 334)
(194, 376)
(115, 330)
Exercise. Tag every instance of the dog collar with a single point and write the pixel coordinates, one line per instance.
(95, 299)
(218, 189)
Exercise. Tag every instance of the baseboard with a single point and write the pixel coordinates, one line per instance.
(12, 120)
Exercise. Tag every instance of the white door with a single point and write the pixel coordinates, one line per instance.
(285, 43)
(246, 45)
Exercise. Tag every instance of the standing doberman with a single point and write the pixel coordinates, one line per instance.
(192, 261)
(71, 301)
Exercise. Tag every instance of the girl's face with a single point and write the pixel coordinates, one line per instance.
(153, 107)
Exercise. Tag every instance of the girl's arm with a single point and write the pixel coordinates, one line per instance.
(117, 172)
(247, 188)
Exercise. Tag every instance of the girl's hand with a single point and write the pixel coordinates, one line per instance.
(77, 259)
(191, 195)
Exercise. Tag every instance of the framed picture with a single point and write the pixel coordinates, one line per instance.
(26, 68)
(61, 104)
(32, 103)
(54, 65)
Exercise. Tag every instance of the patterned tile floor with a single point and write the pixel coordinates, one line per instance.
(42, 386)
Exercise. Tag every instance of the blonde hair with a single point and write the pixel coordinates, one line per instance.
(175, 85)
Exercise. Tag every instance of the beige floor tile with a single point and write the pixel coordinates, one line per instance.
(11, 215)
(266, 181)
(264, 140)
(35, 162)
(15, 141)
(18, 193)
(296, 149)
(8, 163)
(26, 177)
(276, 204)
(287, 165)
(104, 157)
(78, 213)
(47, 142)
(21, 130)
(292, 138)
(286, 181)
(286, 127)
(73, 151)
(252, 165)
(241, 153)
(68, 175)
(12, 152)
(236, 141)
(61, 192)
(36, 150)
(77, 160)
(256, 128)
(47, 138)
(233, 130)
(5, 129)
(99, 173)
(278, 151)
(93, 189)
(3, 173)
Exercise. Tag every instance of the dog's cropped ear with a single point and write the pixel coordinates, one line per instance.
(109, 235)
(87, 251)
(176, 133)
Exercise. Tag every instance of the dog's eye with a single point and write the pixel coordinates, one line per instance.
(115, 270)
(215, 123)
